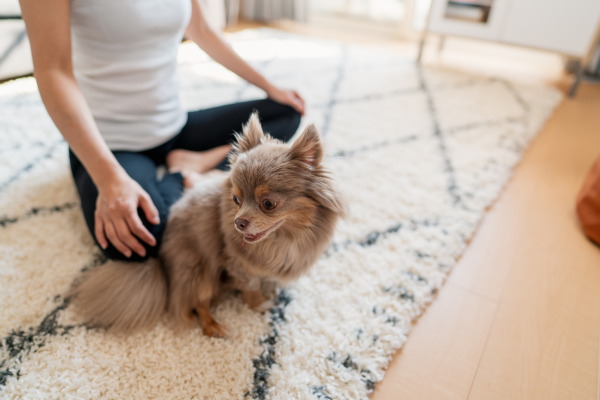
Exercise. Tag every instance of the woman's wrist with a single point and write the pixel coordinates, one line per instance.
(106, 172)
(268, 87)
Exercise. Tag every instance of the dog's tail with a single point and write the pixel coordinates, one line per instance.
(122, 296)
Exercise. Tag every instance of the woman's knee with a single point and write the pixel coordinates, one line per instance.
(112, 253)
(295, 118)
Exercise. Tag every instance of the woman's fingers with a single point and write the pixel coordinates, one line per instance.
(296, 105)
(111, 233)
(300, 100)
(139, 230)
(124, 234)
(288, 97)
(99, 231)
(149, 209)
(297, 101)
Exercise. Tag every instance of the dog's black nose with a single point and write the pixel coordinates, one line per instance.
(241, 223)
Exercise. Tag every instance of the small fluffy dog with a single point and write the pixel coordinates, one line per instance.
(265, 222)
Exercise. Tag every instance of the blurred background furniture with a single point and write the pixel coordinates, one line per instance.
(15, 57)
(272, 10)
(566, 27)
(588, 71)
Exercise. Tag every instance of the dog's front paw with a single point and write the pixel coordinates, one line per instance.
(214, 329)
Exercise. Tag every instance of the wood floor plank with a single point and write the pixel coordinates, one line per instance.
(440, 358)
(544, 342)
(485, 266)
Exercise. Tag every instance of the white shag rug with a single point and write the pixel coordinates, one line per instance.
(419, 154)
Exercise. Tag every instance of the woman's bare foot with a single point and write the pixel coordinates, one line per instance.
(190, 178)
(196, 161)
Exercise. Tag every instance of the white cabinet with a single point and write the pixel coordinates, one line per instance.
(441, 20)
(564, 26)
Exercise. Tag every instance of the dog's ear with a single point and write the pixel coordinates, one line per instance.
(308, 148)
(251, 137)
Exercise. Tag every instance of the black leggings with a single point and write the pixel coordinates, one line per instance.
(204, 130)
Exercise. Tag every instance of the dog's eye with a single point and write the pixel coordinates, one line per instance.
(269, 204)
(236, 200)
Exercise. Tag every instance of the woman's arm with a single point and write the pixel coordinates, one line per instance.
(48, 28)
(214, 45)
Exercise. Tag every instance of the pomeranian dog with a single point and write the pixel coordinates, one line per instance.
(264, 223)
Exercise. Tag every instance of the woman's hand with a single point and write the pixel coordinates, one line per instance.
(288, 97)
(116, 215)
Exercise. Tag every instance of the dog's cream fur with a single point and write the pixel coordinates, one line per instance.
(285, 198)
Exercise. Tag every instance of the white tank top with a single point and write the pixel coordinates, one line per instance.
(125, 62)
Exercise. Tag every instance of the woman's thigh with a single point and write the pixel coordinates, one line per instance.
(143, 170)
(213, 127)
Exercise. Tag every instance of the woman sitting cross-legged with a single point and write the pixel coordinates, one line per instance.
(107, 74)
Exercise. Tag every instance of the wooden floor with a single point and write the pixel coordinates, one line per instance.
(519, 316)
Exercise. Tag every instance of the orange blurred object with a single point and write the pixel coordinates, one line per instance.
(588, 203)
